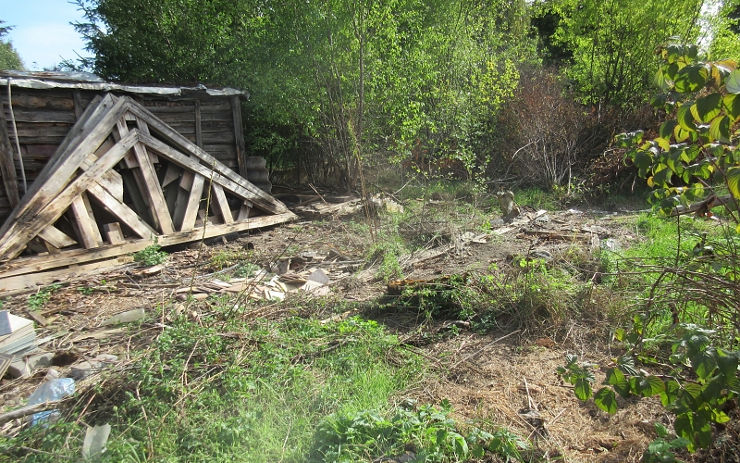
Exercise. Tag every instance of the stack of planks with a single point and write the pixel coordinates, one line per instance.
(121, 180)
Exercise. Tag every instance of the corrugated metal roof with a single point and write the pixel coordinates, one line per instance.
(89, 81)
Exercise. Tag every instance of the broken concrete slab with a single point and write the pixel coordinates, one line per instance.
(24, 367)
(129, 316)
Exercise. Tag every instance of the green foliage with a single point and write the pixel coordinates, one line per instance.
(331, 82)
(225, 391)
(9, 58)
(612, 43)
(37, 300)
(696, 154)
(532, 296)
(151, 255)
(425, 434)
(703, 378)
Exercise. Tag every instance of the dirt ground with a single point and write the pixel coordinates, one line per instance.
(504, 378)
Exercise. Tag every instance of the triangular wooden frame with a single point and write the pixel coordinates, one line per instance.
(118, 131)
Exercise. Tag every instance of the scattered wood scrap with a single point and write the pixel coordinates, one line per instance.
(121, 180)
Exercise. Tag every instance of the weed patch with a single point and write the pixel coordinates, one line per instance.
(225, 391)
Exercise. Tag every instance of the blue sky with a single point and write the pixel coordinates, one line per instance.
(42, 34)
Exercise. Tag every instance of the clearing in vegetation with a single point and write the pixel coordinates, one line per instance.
(440, 339)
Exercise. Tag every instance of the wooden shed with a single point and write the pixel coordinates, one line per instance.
(93, 172)
(41, 107)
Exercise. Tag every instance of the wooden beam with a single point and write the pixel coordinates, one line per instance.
(25, 265)
(193, 203)
(85, 225)
(241, 188)
(56, 237)
(77, 98)
(147, 181)
(236, 111)
(244, 211)
(7, 166)
(31, 279)
(182, 144)
(113, 233)
(198, 124)
(27, 225)
(157, 203)
(122, 211)
(172, 173)
(221, 203)
(84, 137)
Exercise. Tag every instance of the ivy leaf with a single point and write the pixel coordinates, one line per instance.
(708, 107)
(583, 389)
(606, 400)
(733, 181)
(733, 82)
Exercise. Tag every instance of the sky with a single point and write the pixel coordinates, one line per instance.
(42, 34)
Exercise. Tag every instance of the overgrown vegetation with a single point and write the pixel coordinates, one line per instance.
(228, 390)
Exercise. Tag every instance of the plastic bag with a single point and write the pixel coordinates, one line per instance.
(54, 389)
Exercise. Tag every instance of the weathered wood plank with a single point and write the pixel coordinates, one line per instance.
(122, 212)
(236, 108)
(33, 220)
(87, 230)
(56, 237)
(265, 202)
(113, 233)
(221, 175)
(193, 203)
(31, 279)
(7, 166)
(25, 265)
(198, 125)
(57, 173)
(221, 203)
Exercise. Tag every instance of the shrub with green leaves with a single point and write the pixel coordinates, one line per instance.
(425, 434)
(702, 381)
(696, 154)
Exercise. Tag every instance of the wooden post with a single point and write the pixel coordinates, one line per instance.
(198, 125)
(236, 110)
(7, 166)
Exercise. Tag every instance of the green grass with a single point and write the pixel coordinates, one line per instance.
(236, 393)
(662, 296)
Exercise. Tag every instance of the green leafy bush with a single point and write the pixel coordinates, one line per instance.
(425, 434)
(151, 255)
(702, 381)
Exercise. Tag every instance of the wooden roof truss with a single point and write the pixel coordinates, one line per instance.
(121, 180)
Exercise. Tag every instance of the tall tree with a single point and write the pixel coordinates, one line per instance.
(614, 41)
(9, 58)
(343, 77)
